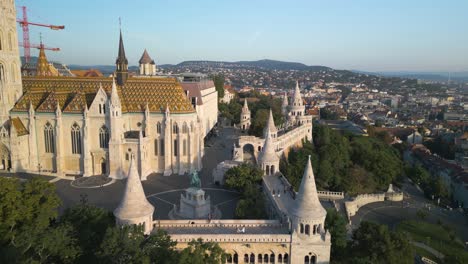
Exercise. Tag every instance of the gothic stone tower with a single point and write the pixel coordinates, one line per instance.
(10, 77)
(122, 64)
(245, 117)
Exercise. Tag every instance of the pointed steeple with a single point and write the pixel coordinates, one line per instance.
(114, 99)
(297, 91)
(134, 204)
(121, 58)
(268, 154)
(307, 201)
(42, 66)
(246, 106)
(270, 126)
(121, 64)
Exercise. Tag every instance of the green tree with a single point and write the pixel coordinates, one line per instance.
(56, 245)
(199, 252)
(259, 122)
(27, 210)
(252, 204)
(91, 223)
(159, 248)
(219, 84)
(231, 111)
(122, 245)
(335, 223)
(241, 176)
(374, 243)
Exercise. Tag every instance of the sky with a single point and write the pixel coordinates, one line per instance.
(369, 35)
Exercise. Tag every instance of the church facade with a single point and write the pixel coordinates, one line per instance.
(80, 126)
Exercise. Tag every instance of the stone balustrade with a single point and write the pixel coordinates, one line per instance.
(328, 195)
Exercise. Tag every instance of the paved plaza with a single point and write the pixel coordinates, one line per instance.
(163, 191)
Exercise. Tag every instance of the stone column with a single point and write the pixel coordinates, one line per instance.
(86, 149)
(58, 142)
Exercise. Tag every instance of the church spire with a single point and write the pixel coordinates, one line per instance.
(121, 63)
(42, 67)
(307, 201)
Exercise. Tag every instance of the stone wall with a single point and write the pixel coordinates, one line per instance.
(353, 206)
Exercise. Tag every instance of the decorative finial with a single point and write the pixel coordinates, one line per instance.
(120, 23)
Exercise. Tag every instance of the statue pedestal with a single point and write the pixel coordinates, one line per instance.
(194, 204)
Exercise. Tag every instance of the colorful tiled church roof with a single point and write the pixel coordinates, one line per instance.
(74, 94)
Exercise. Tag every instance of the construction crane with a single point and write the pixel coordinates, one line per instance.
(24, 23)
(38, 46)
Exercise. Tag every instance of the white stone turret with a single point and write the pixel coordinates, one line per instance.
(245, 117)
(134, 208)
(308, 220)
(268, 159)
(147, 65)
(297, 106)
(285, 105)
(270, 126)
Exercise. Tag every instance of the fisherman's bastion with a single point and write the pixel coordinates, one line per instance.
(133, 128)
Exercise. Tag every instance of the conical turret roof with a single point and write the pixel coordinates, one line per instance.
(307, 202)
(270, 126)
(246, 106)
(285, 100)
(134, 203)
(297, 92)
(145, 58)
(268, 153)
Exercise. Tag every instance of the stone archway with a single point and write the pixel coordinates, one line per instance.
(249, 153)
(5, 158)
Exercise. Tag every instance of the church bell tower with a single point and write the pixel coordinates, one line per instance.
(121, 71)
(10, 73)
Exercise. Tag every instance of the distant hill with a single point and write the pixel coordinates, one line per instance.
(428, 76)
(266, 64)
(105, 69)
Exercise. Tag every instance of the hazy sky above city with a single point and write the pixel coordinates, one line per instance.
(372, 35)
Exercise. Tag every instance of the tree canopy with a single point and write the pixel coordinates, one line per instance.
(246, 178)
(219, 84)
(349, 163)
(32, 232)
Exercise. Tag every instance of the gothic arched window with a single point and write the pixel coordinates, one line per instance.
(76, 139)
(104, 137)
(49, 139)
(175, 128)
(2, 73)
(10, 41)
(185, 128)
(13, 73)
(158, 128)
